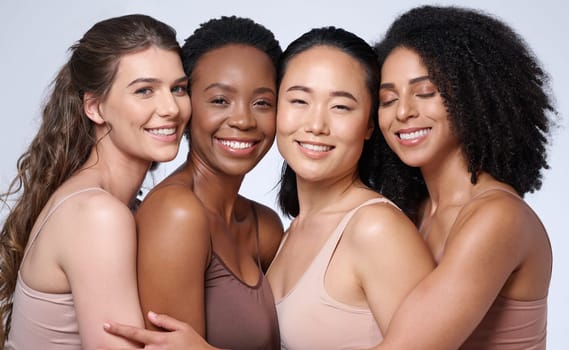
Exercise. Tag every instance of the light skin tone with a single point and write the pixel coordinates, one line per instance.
(197, 210)
(481, 251)
(323, 121)
(91, 237)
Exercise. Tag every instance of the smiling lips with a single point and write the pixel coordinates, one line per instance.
(412, 136)
(162, 131)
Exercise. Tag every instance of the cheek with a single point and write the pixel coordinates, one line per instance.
(267, 123)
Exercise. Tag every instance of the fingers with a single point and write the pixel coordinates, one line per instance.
(135, 334)
(166, 322)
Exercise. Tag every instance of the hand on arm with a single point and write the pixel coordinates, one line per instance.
(179, 335)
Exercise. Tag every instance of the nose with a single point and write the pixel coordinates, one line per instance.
(317, 122)
(241, 117)
(405, 108)
(168, 105)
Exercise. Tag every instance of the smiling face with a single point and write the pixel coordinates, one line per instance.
(234, 97)
(323, 114)
(412, 114)
(147, 106)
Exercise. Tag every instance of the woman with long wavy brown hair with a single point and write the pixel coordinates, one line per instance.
(68, 245)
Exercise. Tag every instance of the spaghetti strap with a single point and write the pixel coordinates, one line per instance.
(496, 188)
(256, 218)
(50, 213)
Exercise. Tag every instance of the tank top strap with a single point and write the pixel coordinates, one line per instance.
(496, 188)
(256, 219)
(332, 242)
(50, 213)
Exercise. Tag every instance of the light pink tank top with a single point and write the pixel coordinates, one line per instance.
(43, 320)
(309, 318)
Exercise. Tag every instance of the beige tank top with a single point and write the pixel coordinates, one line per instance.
(43, 320)
(309, 318)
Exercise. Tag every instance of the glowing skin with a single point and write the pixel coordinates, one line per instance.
(412, 115)
(234, 106)
(323, 114)
(148, 106)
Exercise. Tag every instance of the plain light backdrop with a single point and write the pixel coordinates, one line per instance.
(35, 36)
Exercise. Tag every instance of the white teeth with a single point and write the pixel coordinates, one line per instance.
(316, 148)
(168, 131)
(236, 144)
(414, 134)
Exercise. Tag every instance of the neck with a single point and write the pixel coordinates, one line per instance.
(118, 175)
(217, 191)
(323, 196)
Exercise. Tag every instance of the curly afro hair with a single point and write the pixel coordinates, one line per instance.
(496, 93)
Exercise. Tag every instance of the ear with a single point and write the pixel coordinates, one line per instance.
(369, 130)
(91, 108)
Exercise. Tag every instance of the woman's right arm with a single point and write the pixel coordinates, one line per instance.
(173, 253)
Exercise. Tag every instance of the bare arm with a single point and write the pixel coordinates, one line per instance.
(173, 252)
(483, 249)
(391, 259)
(100, 266)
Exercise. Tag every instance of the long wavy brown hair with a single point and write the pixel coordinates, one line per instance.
(66, 136)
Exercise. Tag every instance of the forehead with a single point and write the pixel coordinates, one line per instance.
(403, 63)
(324, 64)
(242, 60)
(149, 62)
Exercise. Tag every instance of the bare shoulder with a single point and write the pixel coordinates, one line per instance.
(380, 221)
(268, 218)
(270, 233)
(498, 215)
(102, 212)
(171, 199)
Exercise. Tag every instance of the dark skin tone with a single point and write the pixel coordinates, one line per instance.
(197, 210)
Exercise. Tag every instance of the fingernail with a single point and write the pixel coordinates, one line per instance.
(106, 325)
(151, 315)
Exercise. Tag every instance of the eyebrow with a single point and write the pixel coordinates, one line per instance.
(338, 93)
(155, 80)
(260, 90)
(411, 81)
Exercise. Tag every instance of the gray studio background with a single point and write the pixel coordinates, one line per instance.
(35, 35)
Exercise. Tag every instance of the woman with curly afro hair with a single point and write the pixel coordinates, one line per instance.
(463, 99)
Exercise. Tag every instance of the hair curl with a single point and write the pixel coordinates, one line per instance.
(494, 89)
(66, 136)
(378, 167)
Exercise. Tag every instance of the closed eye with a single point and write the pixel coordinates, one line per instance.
(387, 103)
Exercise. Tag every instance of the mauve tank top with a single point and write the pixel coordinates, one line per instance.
(509, 324)
(310, 319)
(239, 316)
(43, 320)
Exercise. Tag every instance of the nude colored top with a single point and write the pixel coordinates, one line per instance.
(310, 319)
(43, 320)
(239, 316)
(511, 325)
